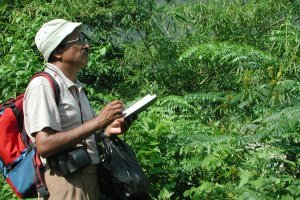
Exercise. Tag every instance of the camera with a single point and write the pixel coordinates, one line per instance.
(71, 161)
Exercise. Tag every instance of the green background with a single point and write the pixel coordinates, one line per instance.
(226, 72)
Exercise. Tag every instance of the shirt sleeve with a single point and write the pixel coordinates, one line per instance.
(40, 107)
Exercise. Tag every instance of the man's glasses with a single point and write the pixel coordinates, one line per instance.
(80, 40)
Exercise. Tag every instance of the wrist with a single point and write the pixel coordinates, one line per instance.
(97, 125)
(106, 132)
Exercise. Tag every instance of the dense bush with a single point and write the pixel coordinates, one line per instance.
(226, 123)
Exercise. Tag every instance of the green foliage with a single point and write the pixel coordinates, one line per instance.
(5, 191)
(226, 123)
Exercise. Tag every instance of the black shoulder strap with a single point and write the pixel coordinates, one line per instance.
(52, 82)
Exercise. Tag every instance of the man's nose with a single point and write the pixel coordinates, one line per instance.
(87, 46)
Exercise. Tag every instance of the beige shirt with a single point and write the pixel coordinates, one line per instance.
(41, 111)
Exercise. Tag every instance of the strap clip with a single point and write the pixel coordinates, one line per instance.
(43, 192)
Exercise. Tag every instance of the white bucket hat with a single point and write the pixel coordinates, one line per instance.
(52, 33)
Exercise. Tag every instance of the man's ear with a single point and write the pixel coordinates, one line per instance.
(57, 53)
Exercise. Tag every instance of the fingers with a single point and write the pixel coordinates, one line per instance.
(116, 104)
(118, 122)
(115, 127)
(110, 112)
(117, 113)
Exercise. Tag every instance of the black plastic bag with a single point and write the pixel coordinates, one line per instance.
(120, 174)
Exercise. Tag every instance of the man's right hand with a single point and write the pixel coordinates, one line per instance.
(109, 113)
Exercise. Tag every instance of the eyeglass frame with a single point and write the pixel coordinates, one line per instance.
(80, 40)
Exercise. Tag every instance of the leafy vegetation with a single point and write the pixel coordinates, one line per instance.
(226, 123)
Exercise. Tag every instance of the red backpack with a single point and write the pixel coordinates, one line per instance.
(20, 164)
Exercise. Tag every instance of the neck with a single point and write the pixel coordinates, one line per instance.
(69, 71)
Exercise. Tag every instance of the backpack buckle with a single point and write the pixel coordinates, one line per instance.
(43, 192)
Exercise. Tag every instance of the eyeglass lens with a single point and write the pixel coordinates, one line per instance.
(82, 40)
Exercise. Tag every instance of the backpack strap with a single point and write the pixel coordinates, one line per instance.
(37, 163)
(41, 187)
(53, 83)
(56, 90)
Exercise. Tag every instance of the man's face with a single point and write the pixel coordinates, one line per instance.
(75, 49)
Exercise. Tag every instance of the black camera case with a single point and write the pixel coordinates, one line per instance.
(71, 161)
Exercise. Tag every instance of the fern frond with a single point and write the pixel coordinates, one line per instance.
(288, 85)
(209, 96)
(174, 101)
(188, 53)
(214, 98)
(230, 54)
(290, 114)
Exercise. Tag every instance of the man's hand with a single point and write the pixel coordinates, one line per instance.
(109, 113)
(119, 126)
(115, 127)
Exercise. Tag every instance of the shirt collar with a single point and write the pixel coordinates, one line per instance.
(66, 80)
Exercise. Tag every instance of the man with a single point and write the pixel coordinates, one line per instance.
(58, 129)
